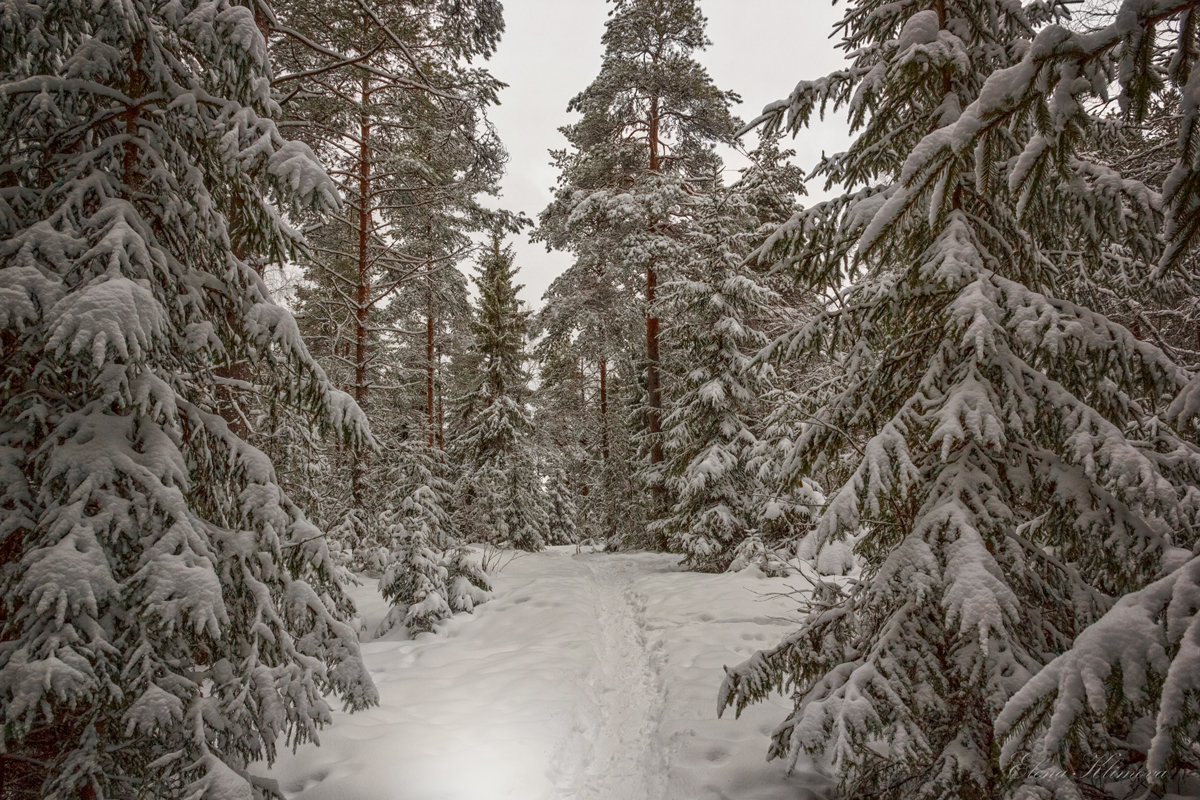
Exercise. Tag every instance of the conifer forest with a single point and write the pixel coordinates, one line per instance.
(872, 475)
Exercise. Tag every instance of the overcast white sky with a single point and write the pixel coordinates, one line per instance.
(551, 50)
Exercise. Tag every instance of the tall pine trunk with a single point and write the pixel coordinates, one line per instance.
(429, 366)
(363, 289)
(654, 408)
(430, 339)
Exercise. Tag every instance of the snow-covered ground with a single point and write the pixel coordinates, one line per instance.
(588, 677)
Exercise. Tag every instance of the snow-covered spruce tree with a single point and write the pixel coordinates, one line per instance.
(649, 121)
(768, 191)
(562, 514)
(152, 641)
(1165, 311)
(1014, 471)
(467, 583)
(355, 544)
(500, 496)
(792, 500)
(430, 574)
(793, 497)
(1126, 695)
(709, 431)
(415, 580)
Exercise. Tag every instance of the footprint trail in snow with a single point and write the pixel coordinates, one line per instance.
(626, 759)
(587, 677)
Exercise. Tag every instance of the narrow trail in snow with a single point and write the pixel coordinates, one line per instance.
(623, 758)
(587, 677)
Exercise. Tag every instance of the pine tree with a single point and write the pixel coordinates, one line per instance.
(649, 123)
(500, 493)
(154, 637)
(438, 307)
(387, 95)
(1013, 470)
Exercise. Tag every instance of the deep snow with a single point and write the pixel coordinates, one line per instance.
(588, 677)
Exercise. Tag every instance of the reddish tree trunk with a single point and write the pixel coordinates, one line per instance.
(654, 409)
(363, 290)
(429, 375)
(430, 326)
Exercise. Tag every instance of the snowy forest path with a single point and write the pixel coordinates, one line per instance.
(623, 758)
(587, 676)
